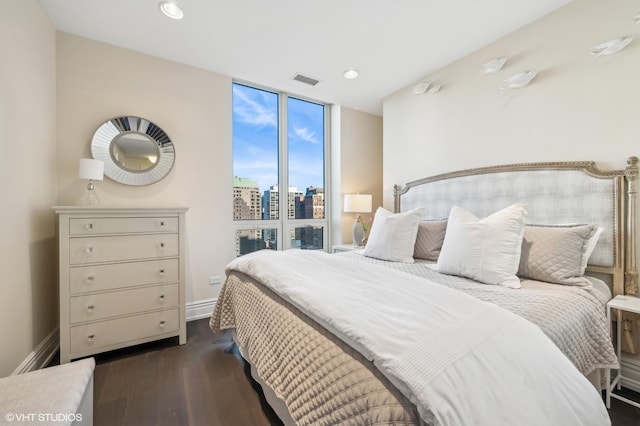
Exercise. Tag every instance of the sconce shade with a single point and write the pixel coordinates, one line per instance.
(357, 203)
(91, 169)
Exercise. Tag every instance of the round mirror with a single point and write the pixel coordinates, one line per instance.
(134, 150)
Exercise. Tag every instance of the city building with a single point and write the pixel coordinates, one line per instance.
(246, 199)
(270, 202)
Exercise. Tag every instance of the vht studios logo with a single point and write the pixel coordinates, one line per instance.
(43, 417)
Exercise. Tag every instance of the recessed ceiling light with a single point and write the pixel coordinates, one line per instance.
(351, 73)
(170, 9)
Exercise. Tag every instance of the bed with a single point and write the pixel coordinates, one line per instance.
(318, 367)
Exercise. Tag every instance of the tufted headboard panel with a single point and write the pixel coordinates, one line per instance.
(554, 193)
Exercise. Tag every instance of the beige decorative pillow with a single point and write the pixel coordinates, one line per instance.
(430, 238)
(556, 254)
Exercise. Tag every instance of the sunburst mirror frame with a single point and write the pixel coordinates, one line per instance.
(109, 132)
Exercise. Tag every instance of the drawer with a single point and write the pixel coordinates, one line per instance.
(122, 225)
(83, 250)
(99, 306)
(85, 279)
(121, 331)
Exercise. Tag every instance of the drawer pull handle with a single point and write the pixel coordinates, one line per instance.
(161, 272)
(89, 250)
(161, 223)
(91, 339)
(90, 308)
(90, 279)
(90, 226)
(162, 298)
(162, 324)
(161, 245)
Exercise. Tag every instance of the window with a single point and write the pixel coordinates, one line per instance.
(279, 186)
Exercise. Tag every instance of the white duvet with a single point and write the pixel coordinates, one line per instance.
(460, 360)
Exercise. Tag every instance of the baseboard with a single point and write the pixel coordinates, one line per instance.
(48, 348)
(200, 309)
(630, 365)
(41, 355)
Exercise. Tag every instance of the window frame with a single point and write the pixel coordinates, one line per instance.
(284, 225)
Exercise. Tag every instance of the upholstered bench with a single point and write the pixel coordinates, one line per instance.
(60, 395)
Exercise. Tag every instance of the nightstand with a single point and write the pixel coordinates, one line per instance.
(627, 304)
(345, 247)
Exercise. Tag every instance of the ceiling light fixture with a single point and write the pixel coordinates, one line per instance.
(351, 73)
(170, 9)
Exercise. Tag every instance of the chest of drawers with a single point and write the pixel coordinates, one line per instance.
(122, 279)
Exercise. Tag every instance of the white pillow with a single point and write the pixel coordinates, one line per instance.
(486, 250)
(393, 236)
(591, 245)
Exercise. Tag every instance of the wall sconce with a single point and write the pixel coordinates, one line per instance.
(493, 65)
(92, 170)
(357, 203)
(519, 80)
(426, 88)
(610, 47)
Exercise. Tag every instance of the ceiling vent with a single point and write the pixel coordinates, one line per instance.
(306, 80)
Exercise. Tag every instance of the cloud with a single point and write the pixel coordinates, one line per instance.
(305, 134)
(266, 180)
(245, 166)
(306, 175)
(253, 110)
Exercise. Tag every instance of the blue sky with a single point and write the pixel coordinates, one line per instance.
(255, 138)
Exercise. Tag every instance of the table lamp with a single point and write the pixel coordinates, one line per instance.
(357, 203)
(92, 170)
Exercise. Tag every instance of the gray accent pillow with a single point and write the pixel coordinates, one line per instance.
(430, 238)
(556, 254)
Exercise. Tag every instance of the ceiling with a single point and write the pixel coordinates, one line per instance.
(392, 43)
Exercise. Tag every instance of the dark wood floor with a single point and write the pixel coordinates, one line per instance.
(202, 382)
(623, 414)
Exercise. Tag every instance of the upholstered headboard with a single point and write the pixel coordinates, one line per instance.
(554, 193)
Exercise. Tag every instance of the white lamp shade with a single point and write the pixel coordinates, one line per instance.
(357, 203)
(91, 169)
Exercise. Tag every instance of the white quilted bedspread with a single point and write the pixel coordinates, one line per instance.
(572, 317)
(460, 360)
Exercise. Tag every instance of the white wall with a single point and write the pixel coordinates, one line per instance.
(28, 295)
(359, 166)
(57, 91)
(577, 108)
(97, 82)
